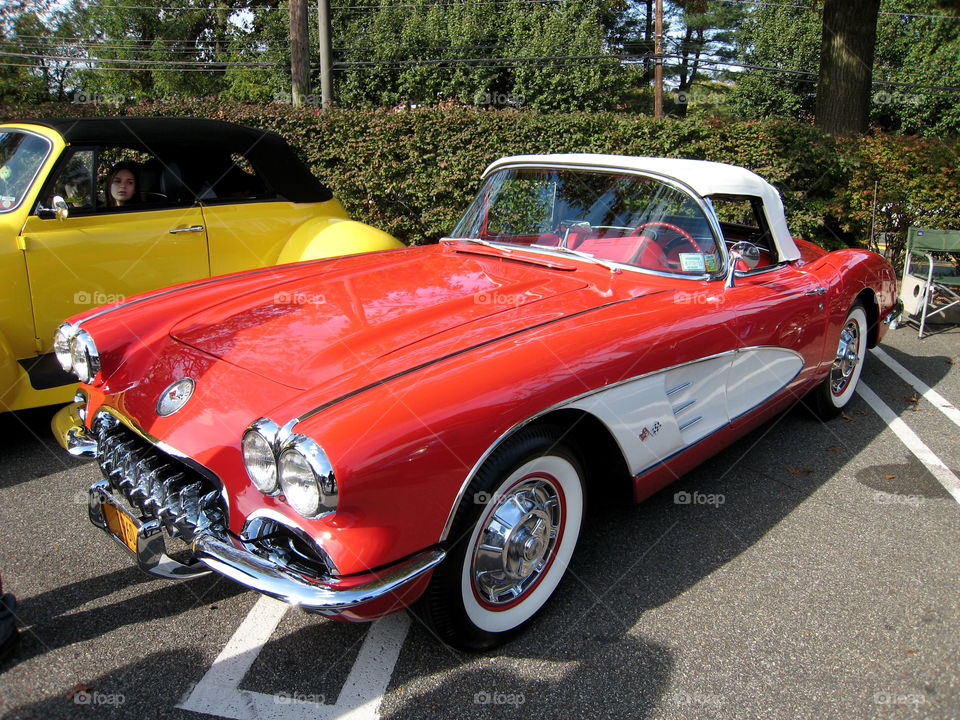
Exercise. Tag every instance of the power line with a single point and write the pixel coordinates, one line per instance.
(807, 6)
(171, 64)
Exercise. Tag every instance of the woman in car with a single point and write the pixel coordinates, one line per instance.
(121, 184)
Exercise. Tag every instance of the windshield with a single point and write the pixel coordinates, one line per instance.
(629, 219)
(21, 155)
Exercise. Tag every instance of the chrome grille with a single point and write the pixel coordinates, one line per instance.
(157, 484)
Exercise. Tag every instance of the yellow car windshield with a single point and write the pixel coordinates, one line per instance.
(21, 155)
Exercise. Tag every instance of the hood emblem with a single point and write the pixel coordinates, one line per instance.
(175, 396)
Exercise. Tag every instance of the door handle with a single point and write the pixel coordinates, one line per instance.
(192, 228)
(817, 291)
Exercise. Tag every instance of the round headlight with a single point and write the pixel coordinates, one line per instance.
(61, 345)
(260, 461)
(306, 477)
(84, 357)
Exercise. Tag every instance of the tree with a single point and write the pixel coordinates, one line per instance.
(142, 51)
(918, 58)
(548, 55)
(25, 71)
(846, 65)
(702, 34)
(780, 45)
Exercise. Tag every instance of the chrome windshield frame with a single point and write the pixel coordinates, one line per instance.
(705, 207)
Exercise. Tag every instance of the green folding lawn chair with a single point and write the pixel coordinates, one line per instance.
(929, 288)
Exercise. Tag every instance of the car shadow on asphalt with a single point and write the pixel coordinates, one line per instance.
(27, 442)
(50, 620)
(127, 692)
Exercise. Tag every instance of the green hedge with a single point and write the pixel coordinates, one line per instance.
(412, 172)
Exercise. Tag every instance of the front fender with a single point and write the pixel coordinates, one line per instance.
(332, 236)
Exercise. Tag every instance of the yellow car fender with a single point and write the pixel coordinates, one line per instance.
(9, 372)
(332, 236)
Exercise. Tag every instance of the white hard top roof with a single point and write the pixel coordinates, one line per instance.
(703, 177)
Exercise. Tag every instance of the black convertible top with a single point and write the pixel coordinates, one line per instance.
(269, 153)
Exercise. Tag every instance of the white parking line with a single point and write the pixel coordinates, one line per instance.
(913, 442)
(218, 692)
(927, 392)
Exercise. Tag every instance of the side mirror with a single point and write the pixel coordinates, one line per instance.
(60, 210)
(745, 251)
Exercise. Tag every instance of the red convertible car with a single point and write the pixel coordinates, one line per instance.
(423, 427)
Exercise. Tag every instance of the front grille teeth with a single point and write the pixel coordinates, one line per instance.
(159, 486)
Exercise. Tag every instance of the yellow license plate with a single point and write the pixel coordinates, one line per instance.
(120, 526)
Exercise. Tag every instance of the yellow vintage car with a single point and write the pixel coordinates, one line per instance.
(93, 210)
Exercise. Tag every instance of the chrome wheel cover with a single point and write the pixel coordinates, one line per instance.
(517, 541)
(847, 359)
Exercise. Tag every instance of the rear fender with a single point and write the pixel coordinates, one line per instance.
(332, 236)
(10, 372)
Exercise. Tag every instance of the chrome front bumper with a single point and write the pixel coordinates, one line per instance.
(326, 596)
(212, 548)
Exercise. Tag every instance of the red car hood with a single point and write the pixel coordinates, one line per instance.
(382, 316)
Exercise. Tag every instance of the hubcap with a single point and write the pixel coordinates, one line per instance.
(848, 356)
(516, 544)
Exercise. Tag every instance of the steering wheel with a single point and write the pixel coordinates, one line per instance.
(683, 239)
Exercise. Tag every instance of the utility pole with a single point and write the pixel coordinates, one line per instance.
(299, 51)
(326, 54)
(658, 67)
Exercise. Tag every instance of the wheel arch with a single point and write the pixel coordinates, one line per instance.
(868, 298)
(599, 453)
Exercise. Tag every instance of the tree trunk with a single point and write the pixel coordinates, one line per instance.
(299, 51)
(846, 65)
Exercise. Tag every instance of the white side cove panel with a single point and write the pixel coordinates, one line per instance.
(658, 415)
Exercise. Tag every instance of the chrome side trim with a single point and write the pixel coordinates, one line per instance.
(682, 406)
(557, 406)
(353, 393)
(677, 388)
(321, 596)
(690, 423)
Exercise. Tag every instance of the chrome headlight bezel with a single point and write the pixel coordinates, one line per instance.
(263, 431)
(83, 358)
(313, 492)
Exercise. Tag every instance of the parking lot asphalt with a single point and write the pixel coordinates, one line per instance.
(808, 571)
